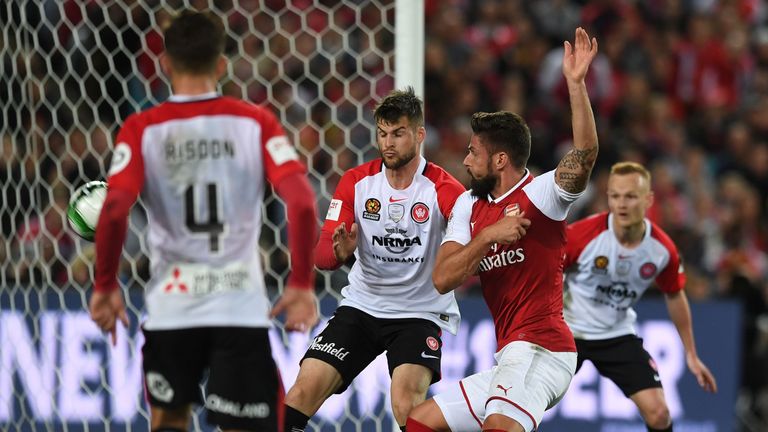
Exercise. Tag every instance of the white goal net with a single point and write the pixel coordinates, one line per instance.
(70, 71)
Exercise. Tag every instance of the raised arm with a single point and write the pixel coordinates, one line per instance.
(573, 172)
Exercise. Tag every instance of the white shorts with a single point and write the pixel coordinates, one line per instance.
(526, 381)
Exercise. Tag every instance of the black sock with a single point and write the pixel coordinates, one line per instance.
(295, 420)
(402, 428)
(167, 429)
(650, 429)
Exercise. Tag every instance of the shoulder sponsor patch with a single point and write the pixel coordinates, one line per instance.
(121, 156)
(280, 150)
(334, 210)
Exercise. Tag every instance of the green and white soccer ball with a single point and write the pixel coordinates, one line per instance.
(84, 208)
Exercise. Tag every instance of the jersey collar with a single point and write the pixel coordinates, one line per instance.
(193, 98)
(514, 188)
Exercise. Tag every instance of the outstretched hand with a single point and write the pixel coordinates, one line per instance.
(702, 373)
(344, 243)
(106, 308)
(578, 57)
(300, 306)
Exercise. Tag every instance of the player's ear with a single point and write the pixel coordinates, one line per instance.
(649, 200)
(165, 65)
(421, 134)
(500, 160)
(221, 67)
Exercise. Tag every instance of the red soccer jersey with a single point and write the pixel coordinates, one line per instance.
(522, 283)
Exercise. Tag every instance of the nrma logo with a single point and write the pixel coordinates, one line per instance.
(618, 292)
(395, 241)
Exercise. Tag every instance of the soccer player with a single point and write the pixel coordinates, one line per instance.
(510, 229)
(390, 214)
(616, 256)
(201, 162)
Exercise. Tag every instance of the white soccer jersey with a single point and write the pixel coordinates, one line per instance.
(398, 237)
(609, 279)
(200, 165)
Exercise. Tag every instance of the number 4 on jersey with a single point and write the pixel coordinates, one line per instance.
(213, 226)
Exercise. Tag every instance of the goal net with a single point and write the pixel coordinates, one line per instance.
(70, 71)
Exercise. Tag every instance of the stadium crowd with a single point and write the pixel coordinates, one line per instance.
(679, 85)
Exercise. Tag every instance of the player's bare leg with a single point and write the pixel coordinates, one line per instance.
(170, 419)
(653, 408)
(498, 422)
(427, 417)
(409, 388)
(316, 382)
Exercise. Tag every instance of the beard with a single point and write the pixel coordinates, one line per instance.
(398, 162)
(482, 187)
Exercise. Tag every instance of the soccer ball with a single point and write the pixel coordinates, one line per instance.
(84, 208)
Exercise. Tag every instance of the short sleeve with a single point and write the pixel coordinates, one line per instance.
(672, 278)
(549, 198)
(459, 229)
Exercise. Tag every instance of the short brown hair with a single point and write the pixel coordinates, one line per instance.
(624, 168)
(194, 41)
(504, 131)
(399, 103)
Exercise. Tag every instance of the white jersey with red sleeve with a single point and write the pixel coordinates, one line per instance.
(522, 283)
(201, 165)
(607, 279)
(398, 237)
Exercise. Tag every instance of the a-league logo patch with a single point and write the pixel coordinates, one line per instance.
(600, 265)
(372, 208)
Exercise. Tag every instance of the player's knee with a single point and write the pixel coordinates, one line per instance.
(658, 417)
(402, 407)
(165, 419)
(426, 417)
(299, 395)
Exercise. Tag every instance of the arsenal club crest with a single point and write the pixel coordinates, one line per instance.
(512, 210)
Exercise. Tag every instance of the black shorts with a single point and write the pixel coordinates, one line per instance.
(623, 360)
(353, 339)
(244, 390)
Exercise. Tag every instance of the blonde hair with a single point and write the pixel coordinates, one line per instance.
(624, 168)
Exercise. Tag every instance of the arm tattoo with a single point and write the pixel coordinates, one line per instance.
(574, 169)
